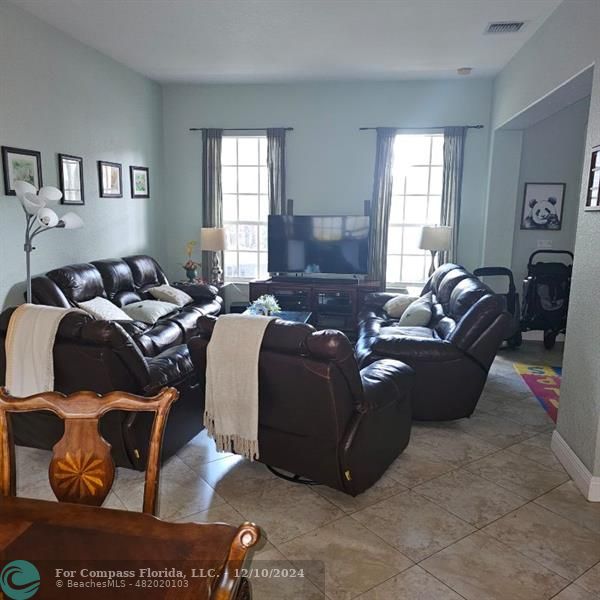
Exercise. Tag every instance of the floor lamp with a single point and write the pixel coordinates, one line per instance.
(39, 218)
(435, 239)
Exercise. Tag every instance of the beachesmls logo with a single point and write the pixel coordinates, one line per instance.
(19, 580)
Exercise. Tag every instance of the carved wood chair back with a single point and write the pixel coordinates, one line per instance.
(82, 469)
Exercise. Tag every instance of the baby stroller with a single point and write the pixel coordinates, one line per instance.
(546, 296)
(514, 338)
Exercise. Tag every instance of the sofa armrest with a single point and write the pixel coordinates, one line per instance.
(169, 368)
(45, 291)
(386, 381)
(414, 349)
(198, 291)
(477, 320)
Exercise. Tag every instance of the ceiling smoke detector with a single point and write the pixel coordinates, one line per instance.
(505, 27)
(464, 70)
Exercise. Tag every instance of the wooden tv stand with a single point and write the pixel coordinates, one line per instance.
(334, 303)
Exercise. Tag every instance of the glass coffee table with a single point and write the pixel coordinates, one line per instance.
(294, 315)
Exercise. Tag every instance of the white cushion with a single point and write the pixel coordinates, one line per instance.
(418, 314)
(149, 311)
(396, 306)
(166, 293)
(101, 308)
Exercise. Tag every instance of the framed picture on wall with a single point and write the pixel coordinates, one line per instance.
(70, 176)
(140, 182)
(109, 179)
(543, 206)
(592, 200)
(21, 165)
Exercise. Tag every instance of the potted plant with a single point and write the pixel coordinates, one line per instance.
(264, 305)
(190, 266)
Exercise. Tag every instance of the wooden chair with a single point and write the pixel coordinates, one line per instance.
(82, 470)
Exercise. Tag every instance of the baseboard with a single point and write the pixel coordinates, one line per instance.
(584, 480)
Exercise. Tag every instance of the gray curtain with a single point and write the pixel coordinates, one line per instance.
(276, 167)
(381, 203)
(212, 197)
(454, 148)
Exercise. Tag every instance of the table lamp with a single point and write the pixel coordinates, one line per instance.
(435, 239)
(212, 239)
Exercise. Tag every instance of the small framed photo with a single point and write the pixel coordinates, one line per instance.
(109, 179)
(21, 165)
(592, 200)
(543, 206)
(140, 182)
(70, 176)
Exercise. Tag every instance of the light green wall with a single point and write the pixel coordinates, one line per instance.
(502, 198)
(552, 151)
(57, 95)
(329, 161)
(566, 44)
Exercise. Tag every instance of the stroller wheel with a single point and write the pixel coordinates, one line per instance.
(549, 339)
(516, 340)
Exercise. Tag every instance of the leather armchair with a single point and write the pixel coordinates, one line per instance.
(101, 356)
(451, 357)
(124, 281)
(321, 417)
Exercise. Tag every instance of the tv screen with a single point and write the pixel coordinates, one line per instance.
(311, 244)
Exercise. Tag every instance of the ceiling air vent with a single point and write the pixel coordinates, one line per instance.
(505, 27)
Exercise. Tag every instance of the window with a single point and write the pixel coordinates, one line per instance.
(245, 206)
(416, 201)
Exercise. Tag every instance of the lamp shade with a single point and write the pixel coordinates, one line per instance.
(435, 238)
(32, 202)
(24, 187)
(71, 220)
(46, 217)
(50, 193)
(213, 239)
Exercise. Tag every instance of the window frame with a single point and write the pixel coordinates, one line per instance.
(261, 253)
(402, 227)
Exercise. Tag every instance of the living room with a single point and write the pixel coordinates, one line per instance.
(390, 466)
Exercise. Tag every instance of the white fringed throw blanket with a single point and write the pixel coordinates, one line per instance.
(231, 411)
(29, 345)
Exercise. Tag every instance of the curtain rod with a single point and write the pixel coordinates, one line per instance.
(240, 128)
(422, 128)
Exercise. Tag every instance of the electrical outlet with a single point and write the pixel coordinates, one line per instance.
(544, 244)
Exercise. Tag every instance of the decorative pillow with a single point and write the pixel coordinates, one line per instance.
(418, 314)
(101, 308)
(396, 306)
(166, 293)
(149, 311)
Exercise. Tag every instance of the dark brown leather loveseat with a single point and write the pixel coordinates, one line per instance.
(321, 417)
(101, 356)
(124, 281)
(451, 357)
(130, 356)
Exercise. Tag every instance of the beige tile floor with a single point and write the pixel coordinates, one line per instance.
(476, 509)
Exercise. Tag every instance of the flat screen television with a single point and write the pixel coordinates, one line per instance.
(314, 244)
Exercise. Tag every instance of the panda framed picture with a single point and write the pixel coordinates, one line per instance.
(543, 206)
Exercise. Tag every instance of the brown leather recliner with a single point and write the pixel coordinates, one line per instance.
(321, 417)
(124, 281)
(102, 357)
(452, 355)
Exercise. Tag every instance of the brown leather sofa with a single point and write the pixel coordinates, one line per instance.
(101, 356)
(451, 357)
(320, 417)
(124, 281)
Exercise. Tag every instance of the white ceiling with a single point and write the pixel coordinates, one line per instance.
(290, 40)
